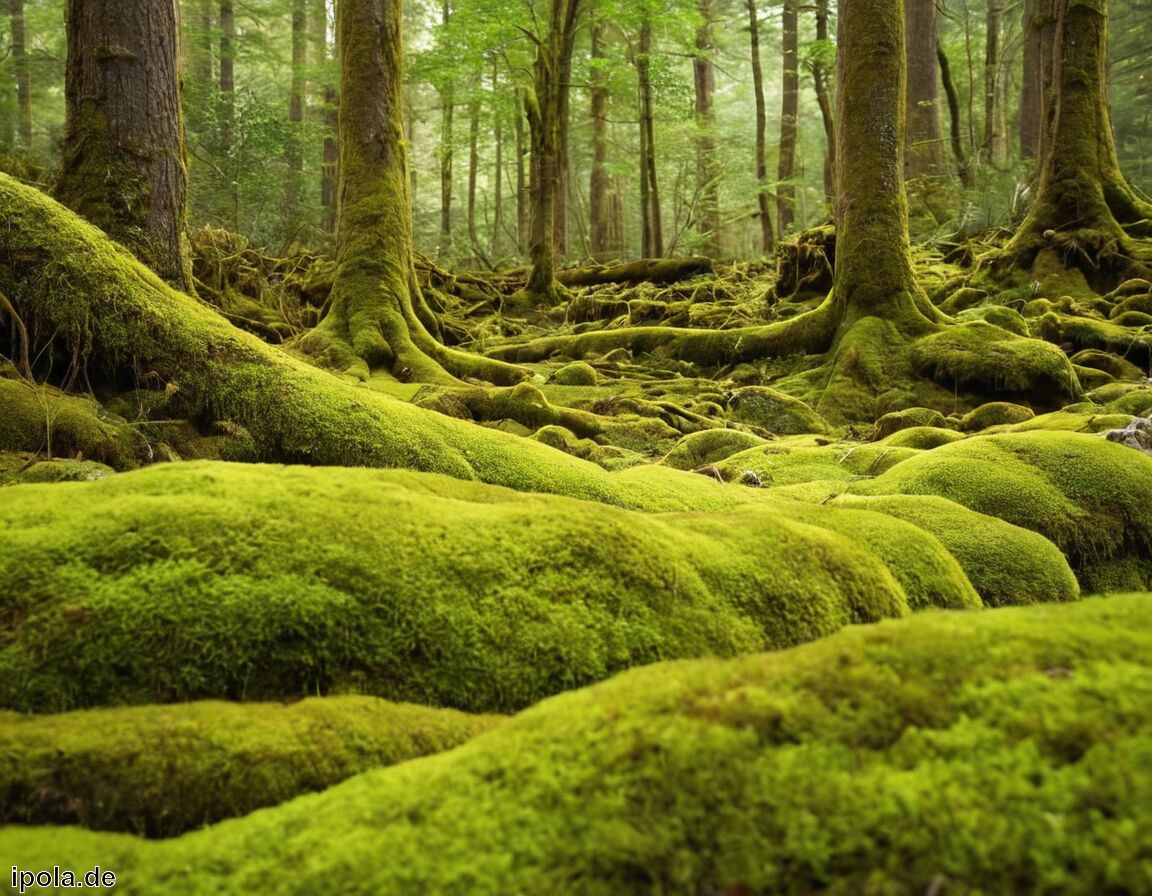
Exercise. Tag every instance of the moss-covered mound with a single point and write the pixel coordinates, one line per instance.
(208, 580)
(1092, 498)
(999, 752)
(164, 770)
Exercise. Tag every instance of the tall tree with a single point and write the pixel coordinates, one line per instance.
(600, 205)
(652, 231)
(22, 69)
(924, 153)
(447, 105)
(1039, 35)
(763, 196)
(707, 176)
(991, 81)
(294, 142)
(789, 112)
(545, 105)
(227, 75)
(820, 78)
(1084, 207)
(122, 161)
(325, 99)
(377, 316)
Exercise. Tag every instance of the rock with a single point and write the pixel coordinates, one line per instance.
(898, 420)
(577, 373)
(1137, 434)
(995, 413)
(774, 411)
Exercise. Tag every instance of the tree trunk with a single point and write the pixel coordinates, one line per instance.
(122, 163)
(991, 79)
(963, 169)
(498, 173)
(707, 176)
(23, 73)
(377, 316)
(1039, 40)
(521, 178)
(325, 98)
(651, 225)
(824, 100)
(447, 101)
(294, 139)
(1084, 208)
(924, 146)
(227, 75)
(599, 186)
(545, 105)
(763, 195)
(473, 172)
(789, 109)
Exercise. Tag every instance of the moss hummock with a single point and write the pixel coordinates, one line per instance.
(163, 770)
(1003, 752)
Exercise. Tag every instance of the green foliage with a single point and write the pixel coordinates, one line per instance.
(1003, 752)
(163, 770)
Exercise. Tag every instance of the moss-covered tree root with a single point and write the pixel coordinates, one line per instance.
(1000, 752)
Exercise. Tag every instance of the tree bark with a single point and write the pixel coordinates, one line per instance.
(122, 163)
(1039, 38)
(924, 145)
(991, 82)
(522, 225)
(763, 195)
(707, 177)
(789, 110)
(545, 107)
(963, 168)
(22, 70)
(824, 100)
(498, 167)
(599, 185)
(652, 231)
(325, 98)
(447, 101)
(294, 141)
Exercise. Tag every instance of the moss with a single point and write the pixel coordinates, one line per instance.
(29, 413)
(1006, 564)
(66, 471)
(1093, 420)
(163, 770)
(774, 411)
(997, 315)
(995, 413)
(1115, 366)
(962, 299)
(1138, 303)
(922, 438)
(1092, 498)
(578, 373)
(709, 446)
(898, 420)
(1132, 319)
(1084, 333)
(209, 580)
(981, 355)
(1004, 752)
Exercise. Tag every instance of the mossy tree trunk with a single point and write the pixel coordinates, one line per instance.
(652, 229)
(707, 211)
(545, 107)
(824, 100)
(377, 315)
(1084, 208)
(763, 196)
(600, 182)
(122, 163)
(789, 114)
(1038, 27)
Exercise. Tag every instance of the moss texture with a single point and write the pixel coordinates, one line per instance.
(162, 770)
(1002, 752)
(252, 582)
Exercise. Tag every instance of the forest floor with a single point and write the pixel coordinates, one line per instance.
(638, 507)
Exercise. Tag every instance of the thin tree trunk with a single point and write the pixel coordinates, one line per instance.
(325, 98)
(23, 71)
(767, 236)
(447, 101)
(563, 164)
(924, 153)
(789, 110)
(824, 100)
(707, 176)
(1039, 36)
(473, 171)
(651, 226)
(963, 169)
(521, 179)
(599, 212)
(227, 75)
(498, 185)
(294, 142)
(122, 163)
(991, 77)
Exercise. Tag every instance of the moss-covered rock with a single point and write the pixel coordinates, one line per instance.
(995, 413)
(1115, 366)
(66, 471)
(709, 446)
(578, 373)
(164, 770)
(774, 411)
(897, 420)
(922, 438)
(202, 580)
(1092, 498)
(1006, 751)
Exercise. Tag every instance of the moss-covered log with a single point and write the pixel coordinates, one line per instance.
(1001, 752)
(646, 270)
(162, 770)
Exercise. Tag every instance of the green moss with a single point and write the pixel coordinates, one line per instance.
(28, 414)
(1117, 367)
(202, 580)
(997, 315)
(1004, 752)
(578, 373)
(709, 446)
(981, 355)
(995, 413)
(66, 471)
(163, 770)
(1092, 498)
(774, 411)
(897, 420)
(1006, 564)
(922, 438)
(1095, 420)
(1084, 333)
